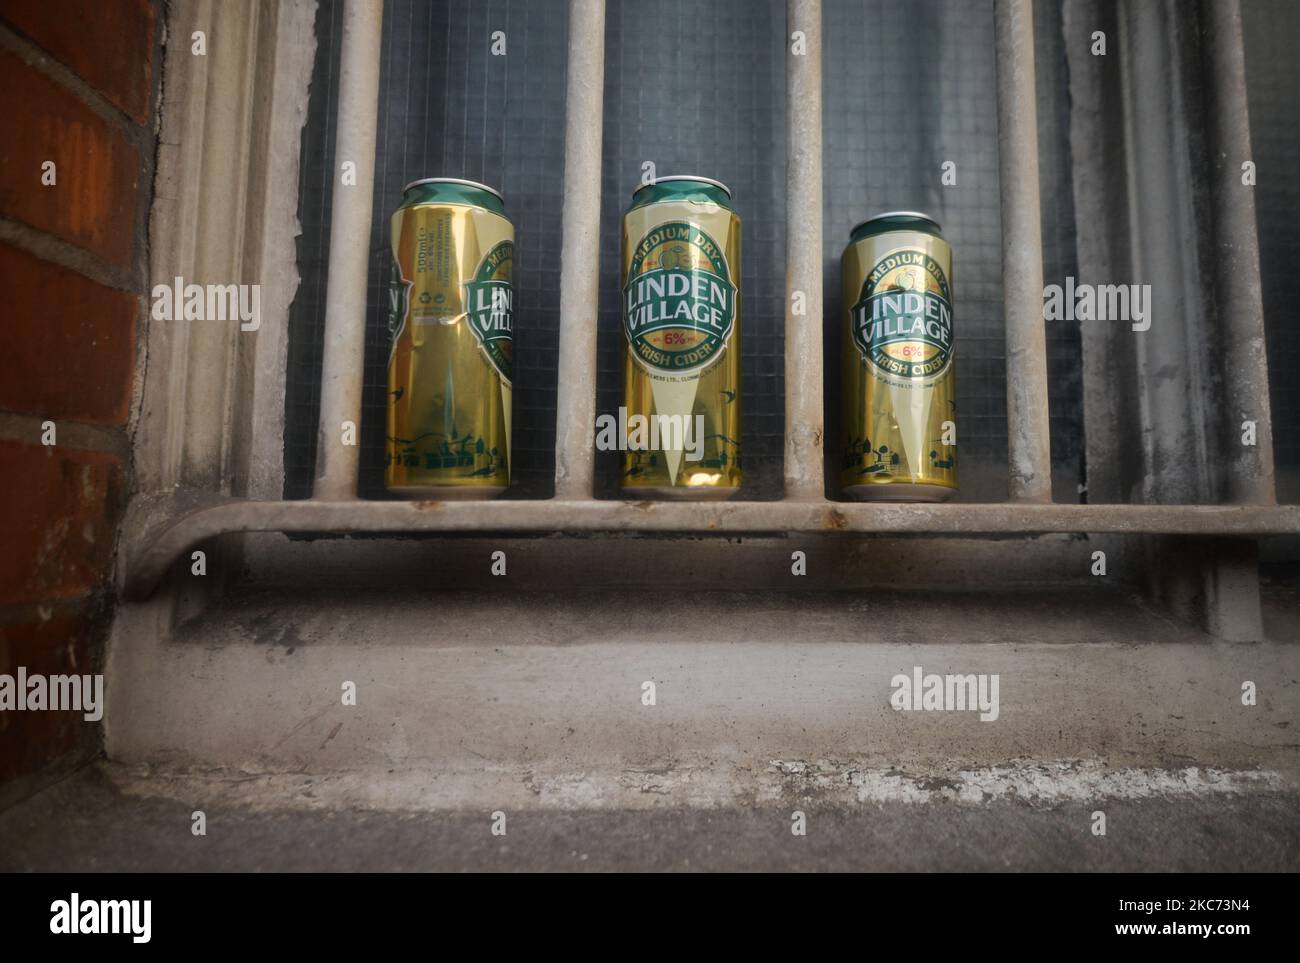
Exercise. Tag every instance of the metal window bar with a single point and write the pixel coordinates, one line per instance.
(1028, 440)
(345, 294)
(335, 507)
(1251, 478)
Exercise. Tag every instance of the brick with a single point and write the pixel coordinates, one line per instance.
(93, 203)
(108, 45)
(58, 516)
(68, 342)
(64, 645)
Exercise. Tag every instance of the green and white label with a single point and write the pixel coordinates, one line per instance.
(488, 308)
(679, 303)
(902, 322)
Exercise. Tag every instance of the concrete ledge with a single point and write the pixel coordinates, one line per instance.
(466, 698)
(148, 556)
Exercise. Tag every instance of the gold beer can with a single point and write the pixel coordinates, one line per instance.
(452, 350)
(899, 390)
(680, 423)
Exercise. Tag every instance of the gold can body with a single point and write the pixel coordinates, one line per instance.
(899, 387)
(450, 363)
(680, 426)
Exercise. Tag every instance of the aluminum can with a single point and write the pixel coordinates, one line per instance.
(450, 362)
(899, 390)
(680, 423)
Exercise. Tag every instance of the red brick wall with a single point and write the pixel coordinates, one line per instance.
(77, 87)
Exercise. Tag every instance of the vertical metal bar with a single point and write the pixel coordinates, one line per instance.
(1232, 596)
(345, 294)
(575, 396)
(1028, 437)
(1170, 382)
(1239, 298)
(804, 425)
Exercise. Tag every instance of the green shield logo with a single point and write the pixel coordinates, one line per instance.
(489, 308)
(902, 322)
(679, 304)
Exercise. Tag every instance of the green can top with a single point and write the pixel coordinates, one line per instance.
(895, 221)
(682, 187)
(453, 190)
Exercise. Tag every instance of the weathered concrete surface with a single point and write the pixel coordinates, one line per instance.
(534, 699)
(1164, 408)
(224, 211)
(1239, 293)
(567, 785)
(86, 823)
(278, 113)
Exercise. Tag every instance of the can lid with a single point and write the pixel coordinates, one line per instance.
(685, 177)
(454, 180)
(884, 214)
